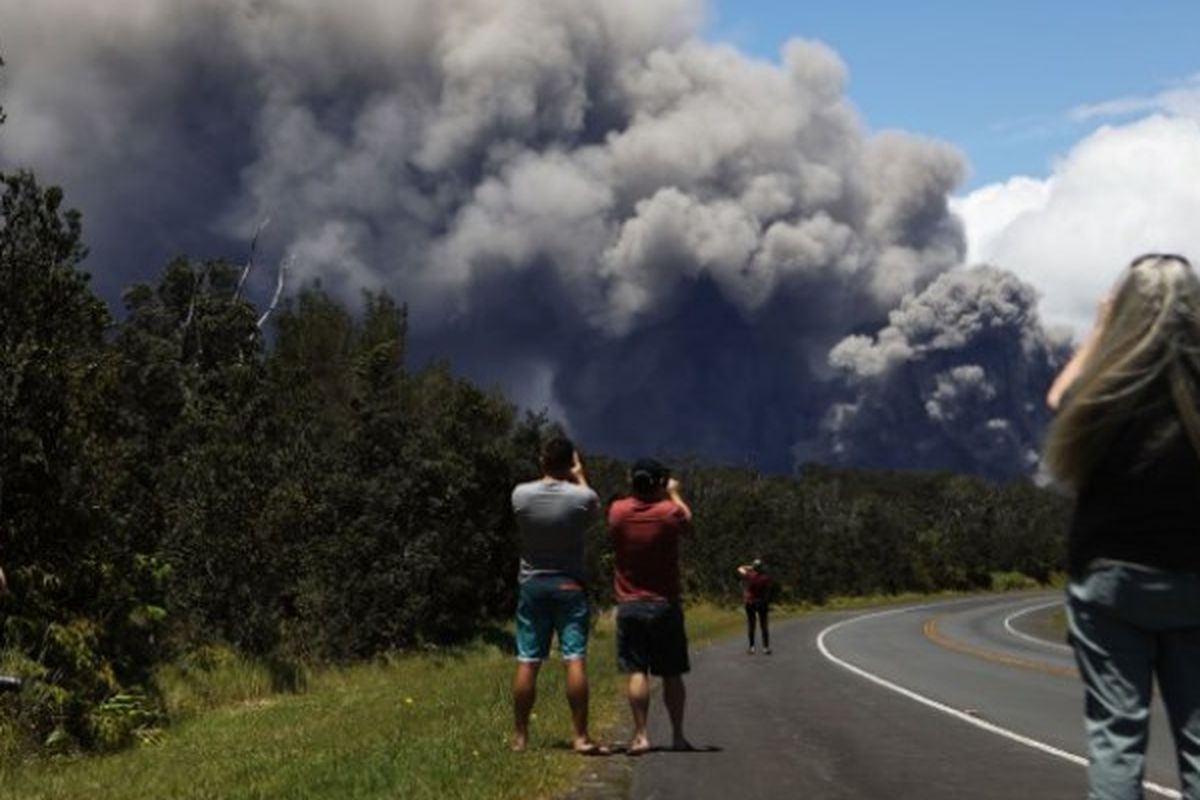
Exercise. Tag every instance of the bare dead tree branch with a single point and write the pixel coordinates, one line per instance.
(284, 266)
(250, 259)
(197, 285)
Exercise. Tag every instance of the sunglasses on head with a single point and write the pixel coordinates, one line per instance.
(1161, 257)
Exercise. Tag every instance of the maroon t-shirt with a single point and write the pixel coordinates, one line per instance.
(645, 537)
(757, 586)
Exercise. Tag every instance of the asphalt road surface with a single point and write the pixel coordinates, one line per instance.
(964, 699)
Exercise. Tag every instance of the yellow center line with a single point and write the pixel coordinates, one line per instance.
(935, 635)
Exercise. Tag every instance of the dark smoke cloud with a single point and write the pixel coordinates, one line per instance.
(658, 237)
(954, 381)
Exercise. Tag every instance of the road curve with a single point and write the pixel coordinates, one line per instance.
(956, 699)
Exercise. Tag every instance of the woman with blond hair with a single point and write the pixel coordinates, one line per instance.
(1126, 439)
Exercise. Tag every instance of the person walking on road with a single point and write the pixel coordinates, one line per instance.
(1126, 438)
(646, 529)
(553, 514)
(756, 596)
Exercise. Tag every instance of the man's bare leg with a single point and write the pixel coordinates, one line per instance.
(639, 704)
(577, 699)
(675, 696)
(524, 690)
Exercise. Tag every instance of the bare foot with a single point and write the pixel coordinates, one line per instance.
(639, 745)
(586, 747)
(519, 743)
(681, 744)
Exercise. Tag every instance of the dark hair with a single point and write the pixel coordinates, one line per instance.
(558, 455)
(648, 476)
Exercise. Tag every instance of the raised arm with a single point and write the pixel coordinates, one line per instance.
(1075, 366)
(673, 487)
(577, 473)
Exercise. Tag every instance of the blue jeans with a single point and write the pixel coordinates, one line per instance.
(1129, 625)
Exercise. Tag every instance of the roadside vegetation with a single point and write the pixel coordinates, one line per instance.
(432, 724)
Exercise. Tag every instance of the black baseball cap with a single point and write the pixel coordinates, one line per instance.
(648, 471)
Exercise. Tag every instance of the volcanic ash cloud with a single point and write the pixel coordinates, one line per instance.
(583, 202)
(955, 380)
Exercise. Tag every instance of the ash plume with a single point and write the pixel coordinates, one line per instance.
(954, 381)
(585, 203)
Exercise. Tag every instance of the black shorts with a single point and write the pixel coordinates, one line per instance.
(651, 638)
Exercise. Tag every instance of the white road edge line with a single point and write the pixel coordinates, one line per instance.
(954, 712)
(1008, 626)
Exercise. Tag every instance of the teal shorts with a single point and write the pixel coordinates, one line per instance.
(549, 604)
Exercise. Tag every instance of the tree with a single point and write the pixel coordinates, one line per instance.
(82, 582)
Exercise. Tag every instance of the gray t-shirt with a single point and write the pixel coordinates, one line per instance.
(552, 517)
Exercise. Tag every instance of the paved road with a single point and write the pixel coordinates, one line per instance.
(958, 699)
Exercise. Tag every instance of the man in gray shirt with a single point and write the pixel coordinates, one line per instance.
(553, 514)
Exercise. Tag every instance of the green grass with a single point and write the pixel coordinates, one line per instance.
(216, 677)
(433, 725)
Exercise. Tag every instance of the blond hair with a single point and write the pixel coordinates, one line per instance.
(1146, 355)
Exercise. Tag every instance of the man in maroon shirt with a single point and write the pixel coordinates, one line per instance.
(645, 530)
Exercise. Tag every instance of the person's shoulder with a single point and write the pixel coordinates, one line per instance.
(674, 511)
(585, 492)
(620, 507)
(669, 512)
(522, 491)
(621, 504)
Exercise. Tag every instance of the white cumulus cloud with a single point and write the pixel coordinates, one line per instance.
(1123, 190)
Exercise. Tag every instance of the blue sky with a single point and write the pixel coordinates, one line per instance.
(995, 78)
